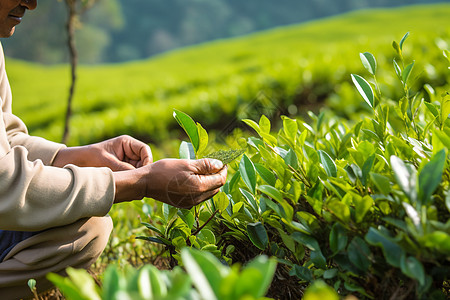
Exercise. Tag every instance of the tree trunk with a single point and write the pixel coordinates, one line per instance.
(70, 27)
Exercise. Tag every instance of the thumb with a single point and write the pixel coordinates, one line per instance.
(208, 166)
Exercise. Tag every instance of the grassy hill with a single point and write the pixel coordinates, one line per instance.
(291, 68)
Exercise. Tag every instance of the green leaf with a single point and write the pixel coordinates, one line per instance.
(406, 177)
(318, 259)
(248, 173)
(250, 199)
(430, 176)
(264, 124)
(202, 140)
(369, 62)
(84, 282)
(205, 271)
(150, 283)
(290, 128)
(338, 238)
(403, 40)
(381, 182)
(397, 69)
(151, 227)
(266, 267)
(221, 201)
(392, 252)
(189, 127)
(406, 72)
(276, 195)
(265, 174)
(302, 273)
(438, 240)
(367, 167)
(306, 240)
(359, 253)
(291, 159)
(258, 235)
(226, 156)
(339, 209)
(271, 192)
(413, 268)
(396, 47)
(32, 284)
(364, 89)
(319, 290)
(252, 124)
(186, 151)
(187, 216)
(327, 163)
(66, 286)
(362, 206)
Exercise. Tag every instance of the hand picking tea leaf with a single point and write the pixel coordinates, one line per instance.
(226, 156)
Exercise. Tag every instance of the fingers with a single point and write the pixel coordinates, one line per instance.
(134, 151)
(207, 166)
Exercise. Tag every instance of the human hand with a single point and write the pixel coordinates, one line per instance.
(118, 154)
(178, 182)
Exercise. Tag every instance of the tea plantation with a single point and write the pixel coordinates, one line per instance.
(342, 185)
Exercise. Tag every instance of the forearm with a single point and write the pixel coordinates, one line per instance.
(130, 185)
(72, 155)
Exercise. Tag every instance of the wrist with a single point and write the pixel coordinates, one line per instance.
(130, 185)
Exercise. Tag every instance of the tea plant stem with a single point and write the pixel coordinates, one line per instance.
(206, 223)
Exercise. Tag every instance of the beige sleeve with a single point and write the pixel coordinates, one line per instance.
(34, 195)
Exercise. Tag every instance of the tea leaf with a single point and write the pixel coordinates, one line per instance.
(364, 89)
(406, 72)
(358, 253)
(189, 127)
(403, 40)
(203, 140)
(265, 174)
(369, 62)
(186, 151)
(392, 252)
(226, 156)
(327, 163)
(430, 176)
(413, 268)
(248, 173)
(258, 235)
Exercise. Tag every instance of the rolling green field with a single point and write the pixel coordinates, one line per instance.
(337, 160)
(295, 67)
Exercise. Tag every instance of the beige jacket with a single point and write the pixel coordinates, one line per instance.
(34, 195)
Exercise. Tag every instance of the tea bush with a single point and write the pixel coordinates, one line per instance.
(362, 205)
(290, 69)
(205, 278)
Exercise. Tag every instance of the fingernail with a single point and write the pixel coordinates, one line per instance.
(217, 163)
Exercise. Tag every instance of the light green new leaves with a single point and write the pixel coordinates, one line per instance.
(369, 62)
(206, 270)
(186, 150)
(406, 177)
(327, 163)
(319, 290)
(364, 89)
(78, 285)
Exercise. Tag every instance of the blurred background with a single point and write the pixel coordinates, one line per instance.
(123, 30)
(218, 60)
